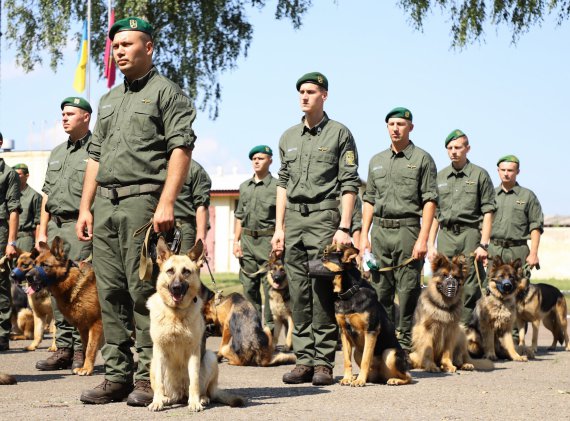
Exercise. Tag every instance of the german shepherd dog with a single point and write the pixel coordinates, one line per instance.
(39, 302)
(181, 369)
(364, 324)
(489, 332)
(244, 340)
(279, 300)
(75, 292)
(438, 341)
(542, 302)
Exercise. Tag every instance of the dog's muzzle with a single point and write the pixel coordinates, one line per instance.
(278, 276)
(178, 290)
(505, 286)
(18, 275)
(448, 287)
(37, 278)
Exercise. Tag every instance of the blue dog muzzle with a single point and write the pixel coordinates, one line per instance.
(505, 286)
(18, 274)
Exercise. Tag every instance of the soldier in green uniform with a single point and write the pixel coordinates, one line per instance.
(31, 202)
(465, 215)
(191, 207)
(9, 221)
(319, 165)
(138, 161)
(59, 210)
(518, 217)
(254, 227)
(401, 190)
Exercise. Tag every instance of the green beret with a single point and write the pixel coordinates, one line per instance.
(399, 112)
(260, 149)
(456, 134)
(22, 167)
(508, 158)
(314, 77)
(130, 24)
(77, 101)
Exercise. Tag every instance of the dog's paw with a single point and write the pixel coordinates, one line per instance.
(31, 348)
(490, 356)
(520, 358)
(204, 400)
(195, 406)
(345, 381)
(156, 405)
(432, 368)
(358, 383)
(467, 367)
(82, 371)
(52, 348)
(449, 369)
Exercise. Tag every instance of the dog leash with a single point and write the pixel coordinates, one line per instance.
(404, 263)
(262, 269)
(210, 271)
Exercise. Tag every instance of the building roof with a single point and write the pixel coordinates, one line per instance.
(557, 221)
(227, 182)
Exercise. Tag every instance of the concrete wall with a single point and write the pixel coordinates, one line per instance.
(554, 254)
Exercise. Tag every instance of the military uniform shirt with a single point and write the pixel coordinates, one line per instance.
(195, 193)
(139, 125)
(31, 202)
(64, 176)
(9, 191)
(518, 213)
(464, 195)
(318, 164)
(257, 203)
(399, 184)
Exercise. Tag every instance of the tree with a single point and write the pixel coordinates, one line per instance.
(195, 40)
(469, 16)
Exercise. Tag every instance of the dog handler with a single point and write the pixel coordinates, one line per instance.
(319, 165)
(31, 202)
(518, 217)
(401, 189)
(59, 211)
(138, 161)
(9, 219)
(465, 215)
(254, 227)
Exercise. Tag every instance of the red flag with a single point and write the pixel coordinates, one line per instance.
(110, 70)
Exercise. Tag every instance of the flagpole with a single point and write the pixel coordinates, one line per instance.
(88, 91)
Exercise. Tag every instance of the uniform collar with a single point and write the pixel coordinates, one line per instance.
(317, 129)
(466, 170)
(265, 180)
(407, 152)
(80, 142)
(137, 84)
(515, 190)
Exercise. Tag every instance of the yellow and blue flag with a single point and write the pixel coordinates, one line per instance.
(80, 72)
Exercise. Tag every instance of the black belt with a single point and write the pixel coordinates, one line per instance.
(396, 223)
(116, 193)
(63, 218)
(22, 234)
(258, 233)
(509, 243)
(460, 227)
(307, 208)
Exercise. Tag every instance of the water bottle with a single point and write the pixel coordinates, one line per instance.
(370, 262)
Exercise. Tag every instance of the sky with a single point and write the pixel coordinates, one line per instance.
(509, 99)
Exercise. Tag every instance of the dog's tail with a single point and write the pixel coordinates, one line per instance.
(282, 358)
(482, 364)
(6, 379)
(227, 398)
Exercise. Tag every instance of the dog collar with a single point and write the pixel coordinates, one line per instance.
(349, 293)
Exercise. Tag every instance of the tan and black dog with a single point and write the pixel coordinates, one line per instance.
(279, 300)
(39, 302)
(181, 368)
(438, 341)
(244, 340)
(489, 332)
(364, 324)
(75, 292)
(542, 302)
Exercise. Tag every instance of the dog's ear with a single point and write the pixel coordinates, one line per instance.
(497, 262)
(196, 253)
(350, 254)
(43, 248)
(35, 253)
(518, 267)
(272, 258)
(460, 261)
(57, 248)
(163, 252)
(438, 261)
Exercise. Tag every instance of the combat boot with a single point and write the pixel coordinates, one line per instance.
(78, 360)
(141, 395)
(323, 376)
(4, 344)
(300, 374)
(59, 360)
(106, 392)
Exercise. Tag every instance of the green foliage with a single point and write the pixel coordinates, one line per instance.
(227, 282)
(469, 16)
(195, 41)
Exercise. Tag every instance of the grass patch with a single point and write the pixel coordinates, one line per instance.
(561, 284)
(227, 282)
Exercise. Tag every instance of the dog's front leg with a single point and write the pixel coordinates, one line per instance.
(488, 339)
(289, 336)
(346, 352)
(38, 333)
(367, 358)
(509, 345)
(194, 402)
(159, 399)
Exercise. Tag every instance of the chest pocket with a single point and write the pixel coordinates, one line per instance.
(326, 166)
(380, 181)
(105, 118)
(269, 209)
(292, 162)
(78, 175)
(410, 183)
(145, 122)
(469, 196)
(519, 215)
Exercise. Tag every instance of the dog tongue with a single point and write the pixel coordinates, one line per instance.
(29, 290)
(177, 298)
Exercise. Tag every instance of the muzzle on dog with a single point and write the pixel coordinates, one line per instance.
(448, 287)
(505, 286)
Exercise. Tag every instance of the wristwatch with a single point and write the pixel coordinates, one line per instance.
(12, 243)
(484, 246)
(344, 229)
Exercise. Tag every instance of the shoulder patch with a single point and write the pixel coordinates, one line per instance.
(349, 158)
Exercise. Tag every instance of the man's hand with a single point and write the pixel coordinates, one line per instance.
(481, 255)
(237, 250)
(11, 251)
(278, 242)
(163, 219)
(84, 226)
(41, 238)
(532, 260)
(420, 250)
(341, 237)
(364, 245)
(432, 252)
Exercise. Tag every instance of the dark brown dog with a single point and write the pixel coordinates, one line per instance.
(75, 292)
(490, 330)
(244, 340)
(279, 300)
(364, 324)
